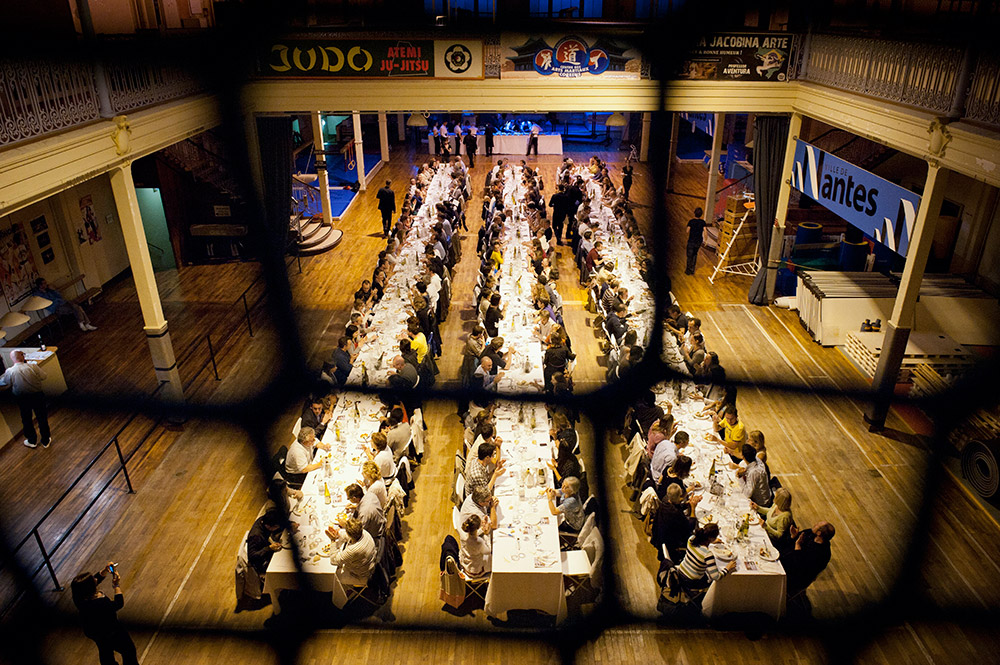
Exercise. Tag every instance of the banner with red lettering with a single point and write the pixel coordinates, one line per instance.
(371, 58)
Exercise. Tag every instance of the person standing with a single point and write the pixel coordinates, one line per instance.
(436, 136)
(533, 140)
(627, 178)
(445, 144)
(471, 146)
(99, 616)
(696, 227)
(488, 133)
(458, 139)
(561, 204)
(25, 381)
(387, 206)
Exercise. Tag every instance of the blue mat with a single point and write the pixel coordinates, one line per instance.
(692, 145)
(335, 167)
(339, 200)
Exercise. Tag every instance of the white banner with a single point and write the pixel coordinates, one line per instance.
(458, 59)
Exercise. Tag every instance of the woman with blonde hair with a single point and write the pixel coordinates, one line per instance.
(777, 518)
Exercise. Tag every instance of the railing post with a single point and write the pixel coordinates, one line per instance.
(211, 353)
(246, 310)
(121, 459)
(45, 557)
(962, 84)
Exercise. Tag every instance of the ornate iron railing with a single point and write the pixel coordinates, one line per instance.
(37, 98)
(133, 85)
(921, 75)
(983, 102)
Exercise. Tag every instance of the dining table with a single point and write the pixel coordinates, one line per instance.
(526, 565)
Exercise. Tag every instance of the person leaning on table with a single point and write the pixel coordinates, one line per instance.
(298, 460)
(356, 560)
(699, 569)
(569, 505)
(25, 381)
(475, 546)
(99, 616)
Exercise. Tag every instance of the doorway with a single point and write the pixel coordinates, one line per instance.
(154, 222)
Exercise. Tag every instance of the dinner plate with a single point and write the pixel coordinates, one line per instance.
(532, 519)
(768, 554)
(723, 552)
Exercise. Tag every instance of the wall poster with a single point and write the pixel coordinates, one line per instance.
(739, 56)
(93, 234)
(567, 56)
(17, 268)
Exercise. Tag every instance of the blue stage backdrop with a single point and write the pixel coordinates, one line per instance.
(882, 209)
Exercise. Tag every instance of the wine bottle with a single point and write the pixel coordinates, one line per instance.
(364, 375)
(327, 499)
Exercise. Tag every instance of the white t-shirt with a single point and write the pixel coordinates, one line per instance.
(298, 458)
(386, 465)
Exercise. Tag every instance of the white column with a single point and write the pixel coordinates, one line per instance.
(359, 153)
(324, 179)
(781, 214)
(383, 136)
(713, 167)
(401, 127)
(647, 122)
(897, 332)
(675, 124)
(154, 323)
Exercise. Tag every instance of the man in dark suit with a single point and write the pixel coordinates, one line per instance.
(386, 205)
(471, 146)
(561, 204)
(488, 133)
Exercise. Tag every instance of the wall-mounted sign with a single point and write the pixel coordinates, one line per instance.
(372, 58)
(567, 56)
(882, 209)
(222, 211)
(740, 56)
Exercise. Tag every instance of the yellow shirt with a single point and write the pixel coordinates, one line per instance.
(497, 259)
(419, 346)
(735, 435)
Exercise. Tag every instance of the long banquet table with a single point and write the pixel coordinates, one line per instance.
(355, 418)
(507, 144)
(527, 569)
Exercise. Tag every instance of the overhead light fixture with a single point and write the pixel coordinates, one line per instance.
(616, 119)
(35, 303)
(417, 120)
(13, 319)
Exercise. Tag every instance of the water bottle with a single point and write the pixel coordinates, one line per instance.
(41, 344)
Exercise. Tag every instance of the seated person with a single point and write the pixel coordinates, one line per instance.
(476, 546)
(698, 568)
(484, 376)
(365, 506)
(355, 560)
(264, 540)
(493, 352)
(672, 526)
(371, 478)
(646, 412)
(617, 322)
(382, 456)
(60, 305)
(298, 460)
(777, 518)
(481, 503)
(809, 557)
(317, 413)
(734, 434)
(754, 478)
(661, 430)
(404, 376)
(666, 454)
(340, 364)
(485, 468)
(397, 433)
(569, 505)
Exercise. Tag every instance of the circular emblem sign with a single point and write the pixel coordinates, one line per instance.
(571, 51)
(598, 61)
(543, 62)
(457, 59)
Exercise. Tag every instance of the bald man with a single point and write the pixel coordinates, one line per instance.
(405, 375)
(25, 381)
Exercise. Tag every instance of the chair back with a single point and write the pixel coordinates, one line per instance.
(417, 431)
(456, 518)
(296, 427)
(588, 526)
(459, 489)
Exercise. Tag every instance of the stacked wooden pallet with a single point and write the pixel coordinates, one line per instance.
(938, 351)
(927, 381)
(744, 246)
(981, 425)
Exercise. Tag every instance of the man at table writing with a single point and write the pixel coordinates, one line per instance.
(356, 560)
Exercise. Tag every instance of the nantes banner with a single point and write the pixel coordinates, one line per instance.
(372, 58)
(882, 209)
(739, 56)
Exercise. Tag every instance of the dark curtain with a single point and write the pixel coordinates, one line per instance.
(770, 136)
(274, 136)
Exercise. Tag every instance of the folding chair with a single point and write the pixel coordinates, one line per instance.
(582, 568)
(456, 518)
(364, 591)
(296, 427)
(459, 489)
(569, 540)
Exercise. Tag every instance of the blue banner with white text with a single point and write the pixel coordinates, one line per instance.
(882, 209)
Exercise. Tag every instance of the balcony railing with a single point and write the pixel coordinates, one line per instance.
(41, 97)
(922, 75)
(983, 102)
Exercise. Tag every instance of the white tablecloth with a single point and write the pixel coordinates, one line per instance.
(507, 144)
(527, 570)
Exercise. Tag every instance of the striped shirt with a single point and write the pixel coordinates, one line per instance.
(699, 562)
(356, 560)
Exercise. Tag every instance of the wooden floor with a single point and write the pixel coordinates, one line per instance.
(199, 489)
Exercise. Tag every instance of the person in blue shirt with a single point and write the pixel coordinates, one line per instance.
(61, 306)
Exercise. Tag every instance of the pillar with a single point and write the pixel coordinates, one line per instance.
(401, 127)
(675, 124)
(781, 214)
(359, 153)
(383, 136)
(626, 130)
(897, 330)
(713, 167)
(154, 324)
(647, 122)
(323, 176)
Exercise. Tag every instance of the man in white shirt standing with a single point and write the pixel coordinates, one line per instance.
(25, 381)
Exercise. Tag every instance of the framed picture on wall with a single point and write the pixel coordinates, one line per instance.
(43, 239)
(17, 269)
(38, 225)
(48, 256)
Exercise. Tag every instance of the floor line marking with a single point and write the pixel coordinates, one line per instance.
(796, 340)
(184, 582)
(775, 345)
